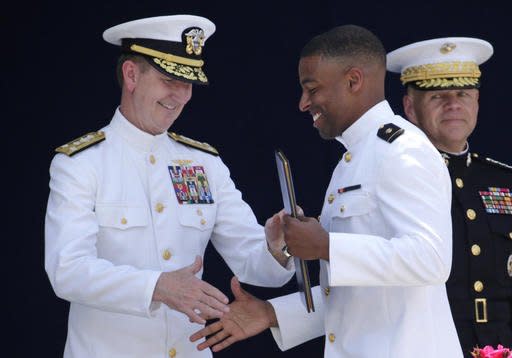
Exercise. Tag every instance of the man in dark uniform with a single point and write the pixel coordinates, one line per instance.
(442, 78)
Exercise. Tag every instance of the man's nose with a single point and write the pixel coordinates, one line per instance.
(304, 103)
(183, 92)
(452, 102)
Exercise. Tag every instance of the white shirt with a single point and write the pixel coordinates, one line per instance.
(390, 251)
(114, 224)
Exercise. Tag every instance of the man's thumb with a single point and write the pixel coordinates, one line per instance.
(236, 288)
(196, 266)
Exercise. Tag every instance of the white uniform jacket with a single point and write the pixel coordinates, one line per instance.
(383, 291)
(114, 223)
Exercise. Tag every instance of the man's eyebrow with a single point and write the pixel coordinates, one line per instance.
(306, 81)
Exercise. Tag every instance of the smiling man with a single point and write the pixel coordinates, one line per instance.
(443, 79)
(132, 208)
(384, 234)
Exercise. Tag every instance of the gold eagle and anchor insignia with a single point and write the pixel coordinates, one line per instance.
(195, 41)
(205, 147)
(81, 143)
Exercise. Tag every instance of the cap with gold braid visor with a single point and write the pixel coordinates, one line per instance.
(171, 44)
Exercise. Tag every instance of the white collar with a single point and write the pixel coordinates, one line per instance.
(366, 123)
(457, 154)
(137, 138)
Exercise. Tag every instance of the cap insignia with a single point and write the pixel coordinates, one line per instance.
(81, 143)
(195, 41)
(447, 48)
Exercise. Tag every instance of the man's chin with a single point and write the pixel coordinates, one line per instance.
(325, 135)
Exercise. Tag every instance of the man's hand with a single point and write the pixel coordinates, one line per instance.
(275, 235)
(247, 317)
(182, 291)
(306, 238)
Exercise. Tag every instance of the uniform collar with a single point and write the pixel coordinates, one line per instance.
(457, 160)
(375, 116)
(139, 139)
(466, 150)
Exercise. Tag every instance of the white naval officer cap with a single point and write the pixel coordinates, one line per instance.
(171, 44)
(443, 63)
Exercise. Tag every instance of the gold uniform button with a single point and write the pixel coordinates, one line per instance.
(475, 250)
(124, 221)
(159, 207)
(172, 352)
(166, 254)
(348, 157)
(330, 198)
(327, 290)
(510, 235)
(459, 182)
(470, 213)
(152, 159)
(199, 212)
(342, 209)
(478, 286)
(332, 337)
(203, 221)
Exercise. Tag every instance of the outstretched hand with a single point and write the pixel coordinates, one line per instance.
(247, 317)
(182, 291)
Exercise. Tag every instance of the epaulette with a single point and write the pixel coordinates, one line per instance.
(81, 143)
(491, 161)
(389, 132)
(205, 147)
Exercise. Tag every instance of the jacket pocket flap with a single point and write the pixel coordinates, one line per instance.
(199, 217)
(353, 204)
(121, 216)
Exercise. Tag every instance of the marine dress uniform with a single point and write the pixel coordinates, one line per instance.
(382, 293)
(125, 206)
(480, 283)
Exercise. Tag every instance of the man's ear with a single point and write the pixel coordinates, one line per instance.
(407, 102)
(130, 74)
(354, 76)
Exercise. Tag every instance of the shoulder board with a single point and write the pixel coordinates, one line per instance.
(491, 161)
(81, 143)
(389, 132)
(205, 147)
